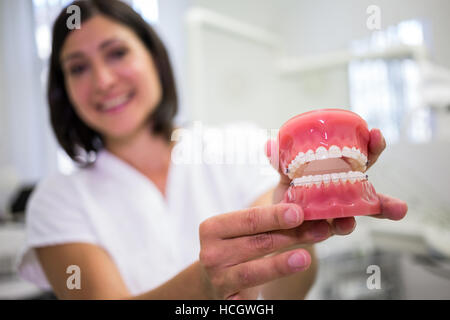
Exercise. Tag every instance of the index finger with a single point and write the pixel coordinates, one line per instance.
(256, 220)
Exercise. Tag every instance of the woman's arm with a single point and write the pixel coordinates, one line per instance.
(100, 278)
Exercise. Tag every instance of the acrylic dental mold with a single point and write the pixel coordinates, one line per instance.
(324, 153)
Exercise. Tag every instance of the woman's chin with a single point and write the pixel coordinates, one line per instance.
(123, 133)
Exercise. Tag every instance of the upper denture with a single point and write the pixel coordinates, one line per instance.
(323, 134)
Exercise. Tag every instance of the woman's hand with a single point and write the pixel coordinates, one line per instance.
(244, 249)
(235, 248)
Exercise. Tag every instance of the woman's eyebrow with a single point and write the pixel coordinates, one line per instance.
(79, 54)
(71, 56)
(108, 42)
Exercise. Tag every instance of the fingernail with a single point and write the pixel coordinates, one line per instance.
(297, 260)
(291, 216)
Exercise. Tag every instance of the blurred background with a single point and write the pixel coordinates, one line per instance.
(265, 61)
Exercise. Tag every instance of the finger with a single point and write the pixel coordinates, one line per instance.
(241, 249)
(260, 271)
(343, 226)
(256, 220)
(377, 144)
(391, 208)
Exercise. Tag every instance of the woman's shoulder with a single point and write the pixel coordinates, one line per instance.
(55, 191)
(58, 181)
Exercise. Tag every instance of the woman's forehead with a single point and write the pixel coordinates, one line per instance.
(95, 34)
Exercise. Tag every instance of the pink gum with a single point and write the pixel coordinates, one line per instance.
(326, 128)
(335, 200)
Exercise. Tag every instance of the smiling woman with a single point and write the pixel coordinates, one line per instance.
(106, 68)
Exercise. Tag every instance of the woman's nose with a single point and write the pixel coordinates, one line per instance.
(103, 78)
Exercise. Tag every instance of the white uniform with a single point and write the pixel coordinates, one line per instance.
(112, 205)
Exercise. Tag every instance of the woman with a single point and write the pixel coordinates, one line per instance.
(127, 218)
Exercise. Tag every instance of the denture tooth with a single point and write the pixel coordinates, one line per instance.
(334, 152)
(310, 156)
(347, 152)
(326, 178)
(360, 157)
(361, 175)
(352, 175)
(321, 153)
(300, 158)
(335, 177)
(343, 176)
(317, 180)
(364, 158)
(308, 181)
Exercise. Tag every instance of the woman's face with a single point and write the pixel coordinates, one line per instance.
(110, 77)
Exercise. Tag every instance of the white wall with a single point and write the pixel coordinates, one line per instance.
(313, 27)
(307, 28)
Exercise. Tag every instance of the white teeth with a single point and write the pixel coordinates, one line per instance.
(334, 152)
(347, 152)
(110, 104)
(353, 176)
(317, 180)
(310, 156)
(341, 177)
(335, 177)
(322, 153)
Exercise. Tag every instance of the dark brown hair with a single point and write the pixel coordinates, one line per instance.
(74, 136)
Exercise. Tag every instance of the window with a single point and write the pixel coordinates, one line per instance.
(385, 91)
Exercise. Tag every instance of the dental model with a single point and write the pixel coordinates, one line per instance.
(324, 153)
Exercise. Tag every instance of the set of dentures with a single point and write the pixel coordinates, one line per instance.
(322, 153)
(329, 182)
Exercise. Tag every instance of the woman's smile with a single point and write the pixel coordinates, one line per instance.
(115, 104)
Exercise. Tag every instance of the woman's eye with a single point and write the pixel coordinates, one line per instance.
(118, 53)
(77, 69)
